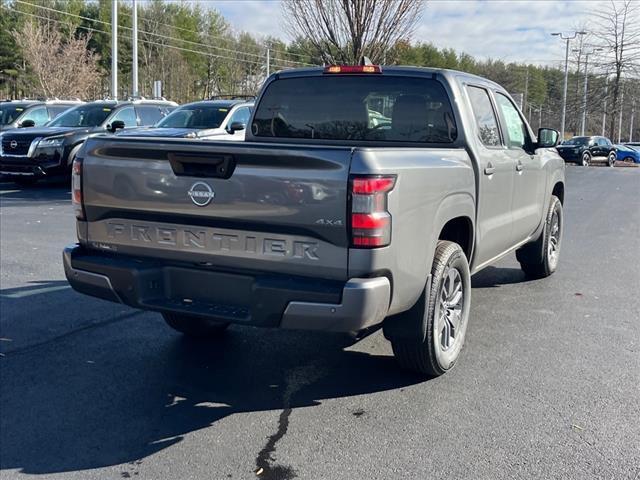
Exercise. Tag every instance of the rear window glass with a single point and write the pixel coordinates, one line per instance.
(373, 108)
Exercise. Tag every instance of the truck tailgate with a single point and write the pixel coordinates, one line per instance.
(252, 206)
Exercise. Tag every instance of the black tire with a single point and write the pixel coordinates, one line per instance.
(72, 155)
(539, 259)
(429, 356)
(611, 159)
(586, 159)
(629, 160)
(193, 326)
(25, 181)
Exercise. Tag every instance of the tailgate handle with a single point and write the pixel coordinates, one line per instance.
(205, 165)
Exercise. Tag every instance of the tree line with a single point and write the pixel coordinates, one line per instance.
(62, 48)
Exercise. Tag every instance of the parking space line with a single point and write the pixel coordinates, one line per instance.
(35, 291)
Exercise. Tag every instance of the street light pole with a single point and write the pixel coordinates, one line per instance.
(134, 49)
(568, 38)
(114, 49)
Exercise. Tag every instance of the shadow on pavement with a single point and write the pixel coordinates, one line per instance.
(45, 190)
(497, 276)
(125, 388)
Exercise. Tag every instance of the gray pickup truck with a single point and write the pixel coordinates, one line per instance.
(362, 196)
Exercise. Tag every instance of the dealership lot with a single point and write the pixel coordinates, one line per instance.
(547, 387)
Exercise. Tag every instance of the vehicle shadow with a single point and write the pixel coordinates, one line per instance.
(49, 190)
(498, 276)
(126, 389)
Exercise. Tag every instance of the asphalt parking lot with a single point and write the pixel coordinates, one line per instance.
(548, 386)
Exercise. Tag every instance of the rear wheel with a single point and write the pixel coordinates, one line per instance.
(539, 259)
(193, 326)
(611, 159)
(443, 311)
(586, 159)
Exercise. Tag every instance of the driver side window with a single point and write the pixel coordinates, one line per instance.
(516, 131)
(241, 115)
(38, 115)
(127, 115)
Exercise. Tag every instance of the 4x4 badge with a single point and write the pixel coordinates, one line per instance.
(201, 194)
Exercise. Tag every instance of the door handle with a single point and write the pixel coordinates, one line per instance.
(519, 166)
(489, 169)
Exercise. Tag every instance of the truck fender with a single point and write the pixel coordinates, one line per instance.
(454, 205)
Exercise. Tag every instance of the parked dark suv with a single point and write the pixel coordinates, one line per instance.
(583, 150)
(31, 113)
(29, 154)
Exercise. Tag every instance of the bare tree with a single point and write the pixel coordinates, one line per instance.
(618, 29)
(344, 30)
(63, 66)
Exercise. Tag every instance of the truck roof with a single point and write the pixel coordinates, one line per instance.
(398, 69)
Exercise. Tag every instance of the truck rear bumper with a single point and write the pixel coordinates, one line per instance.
(251, 299)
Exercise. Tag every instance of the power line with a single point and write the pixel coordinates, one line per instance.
(157, 35)
(209, 35)
(148, 41)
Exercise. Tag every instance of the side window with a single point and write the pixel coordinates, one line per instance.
(485, 116)
(604, 142)
(516, 131)
(38, 115)
(127, 115)
(149, 115)
(54, 111)
(240, 115)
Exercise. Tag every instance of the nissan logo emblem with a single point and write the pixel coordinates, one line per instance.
(13, 144)
(201, 194)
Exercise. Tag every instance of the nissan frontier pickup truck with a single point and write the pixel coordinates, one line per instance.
(362, 196)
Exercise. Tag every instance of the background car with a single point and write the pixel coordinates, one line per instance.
(29, 154)
(31, 113)
(628, 153)
(221, 119)
(584, 150)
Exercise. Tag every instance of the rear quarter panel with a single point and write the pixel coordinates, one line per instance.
(432, 186)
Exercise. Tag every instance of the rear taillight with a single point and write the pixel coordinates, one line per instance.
(76, 188)
(370, 220)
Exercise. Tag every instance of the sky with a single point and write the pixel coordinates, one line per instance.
(510, 30)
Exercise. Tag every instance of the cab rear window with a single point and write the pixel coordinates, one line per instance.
(374, 108)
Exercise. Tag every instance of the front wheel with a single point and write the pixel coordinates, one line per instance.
(586, 159)
(193, 326)
(611, 159)
(539, 259)
(443, 310)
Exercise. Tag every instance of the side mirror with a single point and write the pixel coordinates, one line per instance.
(548, 137)
(115, 125)
(236, 127)
(27, 123)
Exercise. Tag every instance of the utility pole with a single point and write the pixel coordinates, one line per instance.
(268, 62)
(567, 38)
(114, 49)
(604, 106)
(584, 93)
(134, 49)
(621, 108)
(540, 117)
(526, 92)
(633, 114)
